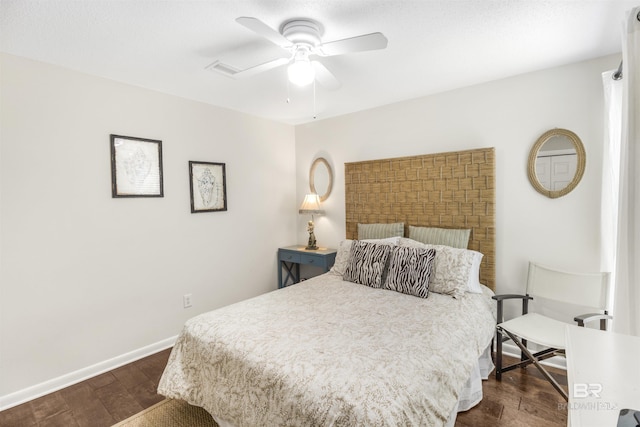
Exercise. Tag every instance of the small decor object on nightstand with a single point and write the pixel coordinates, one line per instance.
(136, 167)
(208, 185)
(311, 205)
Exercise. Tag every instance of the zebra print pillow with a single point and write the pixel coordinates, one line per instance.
(451, 270)
(367, 262)
(344, 251)
(410, 270)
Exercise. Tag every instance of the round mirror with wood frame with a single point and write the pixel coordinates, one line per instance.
(556, 163)
(321, 178)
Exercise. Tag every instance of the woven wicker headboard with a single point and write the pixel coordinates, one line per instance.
(447, 190)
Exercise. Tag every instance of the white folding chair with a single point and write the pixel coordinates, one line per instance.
(585, 291)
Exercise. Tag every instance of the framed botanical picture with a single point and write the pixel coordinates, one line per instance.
(208, 184)
(136, 167)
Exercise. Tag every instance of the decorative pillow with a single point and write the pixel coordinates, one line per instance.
(342, 258)
(344, 250)
(387, 240)
(410, 270)
(380, 231)
(452, 267)
(367, 262)
(473, 285)
(456, 238)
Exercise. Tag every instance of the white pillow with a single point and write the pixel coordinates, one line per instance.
(456, 271)
(342, 258)
(473, 285)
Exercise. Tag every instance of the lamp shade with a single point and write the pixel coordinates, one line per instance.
(311, 205)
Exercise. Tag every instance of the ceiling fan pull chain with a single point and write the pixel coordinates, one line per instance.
(288, 93)
(314, 100)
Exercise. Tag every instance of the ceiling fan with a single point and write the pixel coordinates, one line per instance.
(302, 38)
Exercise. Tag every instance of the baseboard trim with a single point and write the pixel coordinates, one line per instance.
(55, 384)
(512, 350)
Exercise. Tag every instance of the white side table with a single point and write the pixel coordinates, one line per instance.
(603, 372)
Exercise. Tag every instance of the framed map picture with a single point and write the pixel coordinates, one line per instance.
(136, 167)
(208, 184)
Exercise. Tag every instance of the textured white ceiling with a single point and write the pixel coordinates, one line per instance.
(434, 45)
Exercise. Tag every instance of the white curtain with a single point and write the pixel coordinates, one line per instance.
(621, 208)
(610, 171)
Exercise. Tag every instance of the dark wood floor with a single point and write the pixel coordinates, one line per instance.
(98, 402)
(522, 398)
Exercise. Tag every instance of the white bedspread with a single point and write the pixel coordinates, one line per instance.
(331, 353)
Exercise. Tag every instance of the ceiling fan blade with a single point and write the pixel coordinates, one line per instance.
(371, 41)
(263, 67)
(262, 29)
(325, 77)
(230, 71)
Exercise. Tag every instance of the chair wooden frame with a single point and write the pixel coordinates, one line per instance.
(526, 356)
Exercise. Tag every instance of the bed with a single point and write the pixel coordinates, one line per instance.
(345, 349)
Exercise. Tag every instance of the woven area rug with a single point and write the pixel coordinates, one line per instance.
(170, 413)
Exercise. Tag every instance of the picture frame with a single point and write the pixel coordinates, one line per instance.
(136, 167)
(208, 186)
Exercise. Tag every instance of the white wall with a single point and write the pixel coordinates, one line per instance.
(85, 277)
(509, 115)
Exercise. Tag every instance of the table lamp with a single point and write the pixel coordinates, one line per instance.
(311, 205)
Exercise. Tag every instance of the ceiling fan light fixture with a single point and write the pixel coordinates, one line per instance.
(302, 38)
(301, 72)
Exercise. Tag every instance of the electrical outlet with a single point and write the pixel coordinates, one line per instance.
(186, 300)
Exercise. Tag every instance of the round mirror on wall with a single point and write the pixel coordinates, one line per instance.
(556, 163)
(321, 178)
